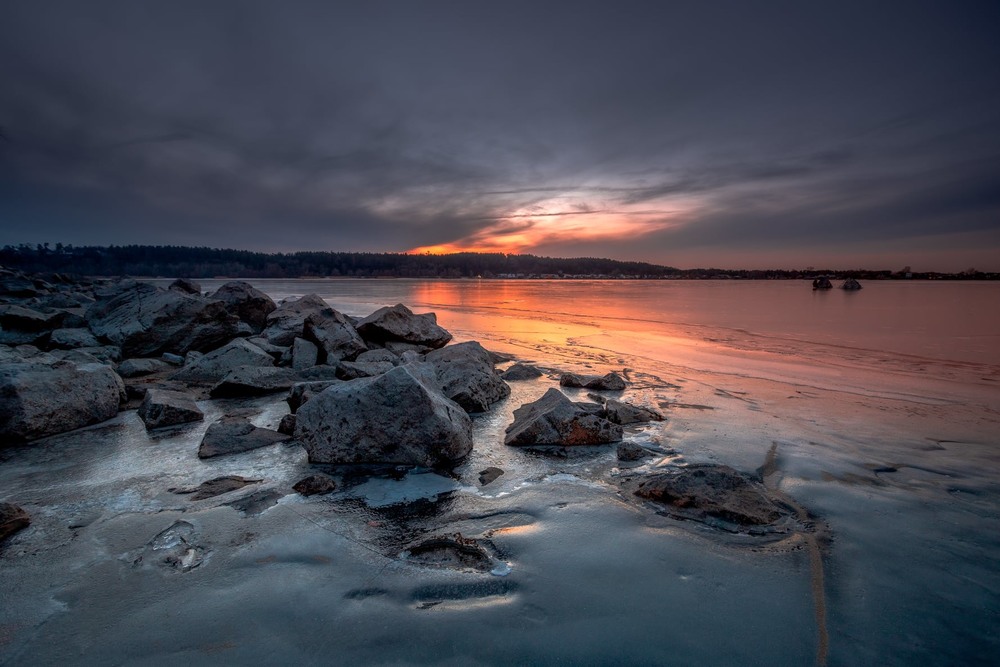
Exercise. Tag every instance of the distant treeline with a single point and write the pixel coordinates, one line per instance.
(142, 260)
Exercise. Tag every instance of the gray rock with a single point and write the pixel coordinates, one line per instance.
(217, 486)
(133, 368)
(519, 372)
(215, 365)
(24, 319)
(466, 375)
(37, 400)
(623, 413)
(851, 284)
(246, 302)
(277, 352)
(304, 354)
(555, 420)
(489, 475)
(12, 519)
(173, 359)
(163, 407)
(287, 425)
(318, 484)
(352, 370)
(254, 381)
(69, 339)
(303, 391)
(105, 353)
(399, 323)
(146, 321)
(629, 451)
(232, 435)
(403, 349)
(382, 355)
(700, 491)
(396, 418)
(336, 335)
(318, 373)
(610, 382)
(185, 285)
(287, 321)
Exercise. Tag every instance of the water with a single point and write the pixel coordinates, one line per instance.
(882, 407)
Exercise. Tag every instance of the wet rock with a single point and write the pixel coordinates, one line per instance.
(254, 381)
(37, 400)
(851, 285)
(217, 486)
(396, 418)
(69, 339)
(620, 412)
(287, 321)
(12, 519)
(466, 375)
(489, 475)
(132, 368)
(712, 491)
(317, 484)
(257, 502)
(304, 354)
(519, 372)
(163, 407)
(246, 302)
(303, 391)
(352, 370)
(145, 321)
(380, 355)
(216, 365)
(319, 373)
(232, 435)
(822, 283)
(334, 334)
(287, 425)
(629, 451)
(453, 552)
(399, 323)
(555, 420)
(610, 382)
(174, 547)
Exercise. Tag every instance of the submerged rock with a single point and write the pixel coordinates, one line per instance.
(555, 420)
(452, 551)
(466, 375)
(163, 407)
(246, 302)
(610, 382)
(12, 519)
(519, 372)
(399, 323)
(232, 435)
(318, 484)
(397, 418)
(714, 491)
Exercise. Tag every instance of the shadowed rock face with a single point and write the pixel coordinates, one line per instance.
(287, 321)
(254, 381)
(162, 407)
(555, 420)
(713, 490)
(246, 302)
(234, 435)
(215, 365)
(12, 519)
(334, 334)
(399, 323)
(146, 321)
(466, 375)
(396, 418)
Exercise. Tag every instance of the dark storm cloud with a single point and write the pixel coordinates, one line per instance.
(387, 126)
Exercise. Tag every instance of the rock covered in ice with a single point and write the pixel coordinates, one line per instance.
(555, 420)
(246, 302)
(164, 407)
(399, 323)
(398, 417)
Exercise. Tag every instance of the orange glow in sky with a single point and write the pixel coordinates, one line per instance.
(558, 221)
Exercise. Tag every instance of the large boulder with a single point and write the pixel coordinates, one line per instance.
(146, 321)
(305, 354)
(215, 365)
(466, 375)
(20, 318)
(254, 381)
(555, 420)
(163, 407)
(246, 302)
(334, 334)
(395, 418)
(708, 490)
(303, 391)
(399, 323)
(232, 435)
(287, 321)
(37, 400)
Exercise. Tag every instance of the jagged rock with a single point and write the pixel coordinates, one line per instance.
(214, 366)
(334, 334)
(712, 491)
(521, 371)
(37, 400)
(405, 350)
(287, 321)
(163, 407)
(277, 352)
(185, 285)
(352, 370)
(12, 519)
(246, 302)
(232, 435)
(489, 475)
(303, 391)
(629, 451)
(315, 485)
(610, 382)
(70, 339)
(466, 375)
(380, 355)
(623, 413)
(105, 353)
(399, 323)
(318, 373)
(287, 425)
(396, 418)
(254, 381)
(145, 321)
(132, 368)
(555, 420)
(19, 318)
(304, 354)
(217, 486)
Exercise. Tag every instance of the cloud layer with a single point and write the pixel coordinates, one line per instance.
(788, 134)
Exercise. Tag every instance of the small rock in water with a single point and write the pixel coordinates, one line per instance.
(489, 475)
(257, 502)
(555, 420)
(162, 407)
(174, 547)
(217, 486)
(232, 435)
(629, 451)
(315, 485)
(519, 372)
(287, 425)
(623, 413)
(610, 382)
(12, 519)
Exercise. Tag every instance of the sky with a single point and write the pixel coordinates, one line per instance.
(691, 133)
